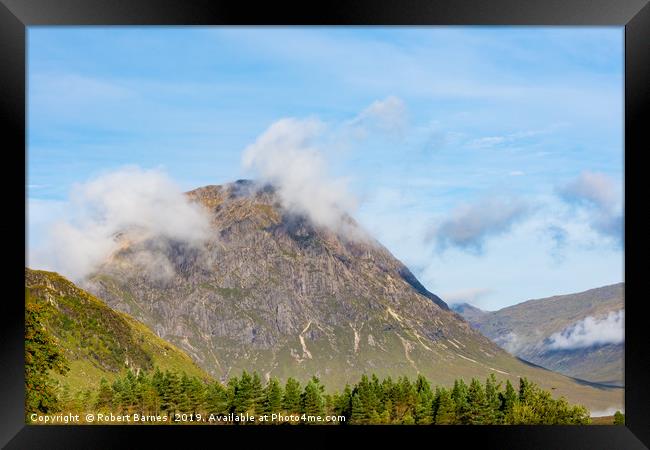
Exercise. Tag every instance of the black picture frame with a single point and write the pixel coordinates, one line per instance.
(16, 15)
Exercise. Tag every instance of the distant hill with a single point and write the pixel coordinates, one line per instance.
(559, 333)
(97, 340)
(470, 313)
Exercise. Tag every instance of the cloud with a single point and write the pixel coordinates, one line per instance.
(559, 235)
(286, 155)
(590, 188)
(470, 225)
(590, 331)
(494, 141)
(597, 194)
(129, 204)
(388, 115)
(510, 342)
(471, 296)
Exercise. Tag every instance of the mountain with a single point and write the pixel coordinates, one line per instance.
(98, 341)
(470, 313)
(531, 330)
(272, 292)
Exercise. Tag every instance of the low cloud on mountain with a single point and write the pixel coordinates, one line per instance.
(471, 296)
(590, 331)
(287, 156)
(129, 202)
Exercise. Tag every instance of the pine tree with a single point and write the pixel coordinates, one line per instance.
(217, 399)
(402, 396)
(257, 394)
(387, 414)
(329, 400)
(526, 390)
(508, 400)
(477, 411)
(42, 355)
(291, 399)
(184, 398)
(104, 396)
(343, 403)
(196, 395)
(311, 400)
(493, 413)
(367, 395)
(445, 413)
(459, 395)
(157, 380)
(231, 391)
(358, 413)
(131, 394)
(150, 399)
(408, 419)
(243, 400)
(424, 401)
(387, 399)
(171, 393)
(272, 396)
(377, 393)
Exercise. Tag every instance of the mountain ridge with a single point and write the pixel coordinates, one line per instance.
(526, 330)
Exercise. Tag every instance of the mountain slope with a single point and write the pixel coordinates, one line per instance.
(470, 313)
(98, 341)
(528, 329)
(271, 292)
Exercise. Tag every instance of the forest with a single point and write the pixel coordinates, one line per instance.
(369, 401)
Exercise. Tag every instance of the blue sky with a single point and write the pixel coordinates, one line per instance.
(488, 159)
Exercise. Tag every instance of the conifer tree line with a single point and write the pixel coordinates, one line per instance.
(370, 401)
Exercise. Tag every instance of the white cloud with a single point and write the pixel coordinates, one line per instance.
(470, 225)
(286, 155)
(140, 203)
(510, 342)
(388, 115)
(471, 296)
(593, 188)
(590, 331)
(598, 195)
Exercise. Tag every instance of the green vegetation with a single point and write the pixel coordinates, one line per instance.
(42, 355)
(619, 418)
(95, 340)
(181, 398)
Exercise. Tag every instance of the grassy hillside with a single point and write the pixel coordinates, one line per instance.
(97, 340)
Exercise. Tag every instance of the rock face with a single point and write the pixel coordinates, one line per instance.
(527, 330)
(271, 292)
